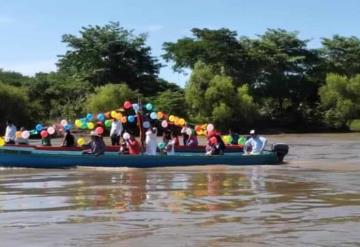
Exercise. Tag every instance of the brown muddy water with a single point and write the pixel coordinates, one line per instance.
(312, 200)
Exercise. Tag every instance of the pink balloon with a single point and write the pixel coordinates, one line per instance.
(164, 124)
(127, 105)
(44, 134)
(99, 130)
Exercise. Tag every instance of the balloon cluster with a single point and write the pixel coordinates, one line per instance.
(204, 129)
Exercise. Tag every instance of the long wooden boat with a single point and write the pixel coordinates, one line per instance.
(31, 157)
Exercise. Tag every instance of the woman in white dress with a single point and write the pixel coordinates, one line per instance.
(151, 141)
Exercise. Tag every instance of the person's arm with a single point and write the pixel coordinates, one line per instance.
(246, 145)
(264, 142)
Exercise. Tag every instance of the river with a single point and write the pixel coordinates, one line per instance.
(312, 200)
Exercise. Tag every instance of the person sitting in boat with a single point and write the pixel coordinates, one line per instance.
(123, 147)
(255, 144)
(10, 133)
(69, 139)
(96, 146)
(115, 132)
(20, 140)
(215, 145)
(168, 144)
(184, 132)
(192, 140)
(46, 141)
(133, 145)
(151, 141)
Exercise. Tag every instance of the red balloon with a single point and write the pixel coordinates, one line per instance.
(127, 105)
(100, 124)
(99, 130)
(44, 134)
(211, 133)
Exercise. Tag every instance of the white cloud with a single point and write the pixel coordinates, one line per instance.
(30, 67)
(154, 28)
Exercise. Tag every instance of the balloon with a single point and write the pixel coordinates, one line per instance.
(2, 142)
(124, 119)
(182, 121)
(126, 136)
(160, 115)
(81, 141)
(101, 117)
(51, 130)
(107, 115)
(211, 133)
(164, 124)
(136, 107)
(161, 145)
(39, 127)
(68, 127)
(127, 105)
(113, 114)
(64, 122)
(131, 119)
(118, 116)
(171, 118)
(149, 106)
(210, 127)
(18, 134)
(89, 117)
(25, 134)
(44, 134)
(90, 125)
(83, 126)
(198, 128)
(153, 115)
(78, 123)
(230, 139)
(241, 140)
(99, 130)
(108, 123)
(146, 124)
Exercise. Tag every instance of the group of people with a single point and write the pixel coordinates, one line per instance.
(254, 144)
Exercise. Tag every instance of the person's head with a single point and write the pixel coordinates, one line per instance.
(93, 135)
(253, 133)
(22, 129)
(154, 130)
(9, 122)
(68, 132)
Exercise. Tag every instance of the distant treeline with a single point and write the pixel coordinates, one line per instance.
(272, 81)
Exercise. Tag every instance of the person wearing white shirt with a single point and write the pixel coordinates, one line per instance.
(115, 132)
(151, 141)
(257, 143)
(10, 133)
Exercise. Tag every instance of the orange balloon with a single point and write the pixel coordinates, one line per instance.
(124, 119)
(107, 115)
(160, 115)
(118, 116)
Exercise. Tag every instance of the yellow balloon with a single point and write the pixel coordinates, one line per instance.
(81, 141)
(182, 121)
(18, 134)
(171, 118)
(2, 142)
(113, 114)
(78, 123)
(118, 116)
(90, 125)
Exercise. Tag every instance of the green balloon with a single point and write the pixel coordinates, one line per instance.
(108, 123)
(241, 140)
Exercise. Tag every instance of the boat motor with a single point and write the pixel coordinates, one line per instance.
(281, 149)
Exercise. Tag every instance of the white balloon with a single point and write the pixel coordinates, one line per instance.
(189, 131)
(64, 122)
(25, 134)
(126, 136)
(164, 124)
(51, 130)
(210, 127)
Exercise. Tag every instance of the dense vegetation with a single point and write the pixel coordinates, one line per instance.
(271, 81)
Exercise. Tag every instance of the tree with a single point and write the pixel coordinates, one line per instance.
(17, 107)
(340, 98)
(109, 97)
(342, 55)
(172, 102)
(13, 78)
(110, 53)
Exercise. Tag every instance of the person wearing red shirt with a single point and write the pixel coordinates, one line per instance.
(133, 145)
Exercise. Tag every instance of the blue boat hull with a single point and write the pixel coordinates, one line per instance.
(27, 157)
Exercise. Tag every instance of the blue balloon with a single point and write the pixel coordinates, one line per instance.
(131, 119)
(101, 117)
(89, 117)
(148, 106)
(153, 115)
(39, 127)
(136, 107)
(68, 127)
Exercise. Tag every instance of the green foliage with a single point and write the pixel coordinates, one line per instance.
(109, 97)
(15, 105)
(110, 53)
(354, 125)
(12, 78)
(172, 102)
(342, 55)
(340, 98)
